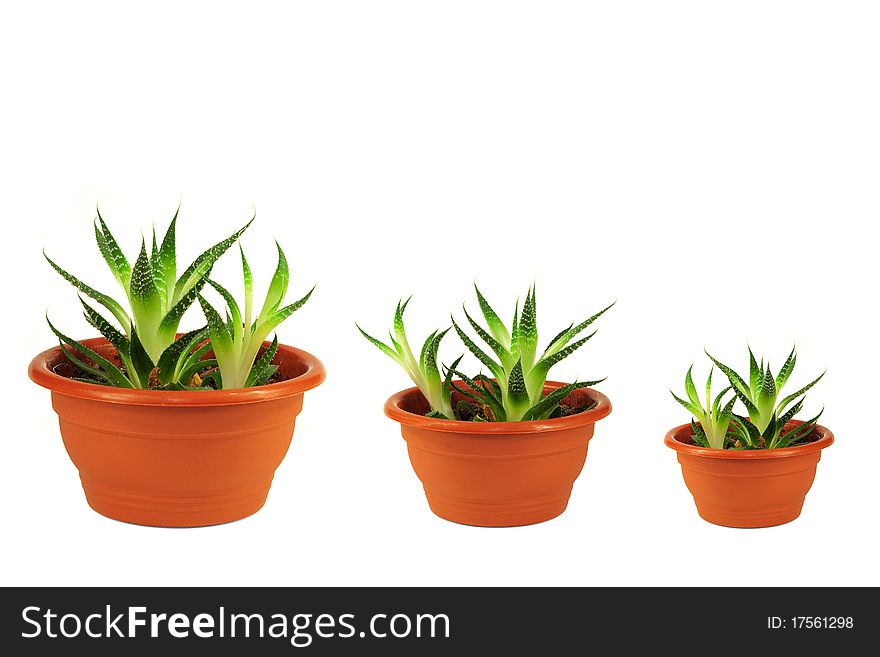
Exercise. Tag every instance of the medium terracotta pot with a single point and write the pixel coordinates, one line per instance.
(176, 458)
(748, 488)
(496, 474)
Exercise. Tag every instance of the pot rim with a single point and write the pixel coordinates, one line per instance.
(41, 373)
(825, 439)
(599, 411)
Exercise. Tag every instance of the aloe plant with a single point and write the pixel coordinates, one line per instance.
(714, 419)
(423, 370)
(516, 391)
(150, 353)
(236, 341)
(764, 424)
(519, 370)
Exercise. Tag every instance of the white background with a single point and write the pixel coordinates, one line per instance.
(713, 166)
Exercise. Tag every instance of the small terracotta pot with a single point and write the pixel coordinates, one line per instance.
(176, 458)
(496, 474)
(748, 488)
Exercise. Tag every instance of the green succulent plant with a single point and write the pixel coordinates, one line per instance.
(237, 340)
(764, 424)
(519, 373)
(150, 353)
(714, 419)
(423, 370)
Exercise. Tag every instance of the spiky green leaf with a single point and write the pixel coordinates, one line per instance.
(735, 379)
(787, 368)
(690, 388)
(176, 352)
(694, 409)
(549, 361)
(111, 305)
(168, 256)
(141, 361)
(756, 376)
(554, 398)
(785, 402)
(248, 289)
(571, 333)
(202, 265)
(172, 318)
(486, 337)
(108, 370)
(496, 326)
(528, 330)
(384, 348)
(105, 328)
(262, 365)
(113, 255)
(280, 315)
(481, 355)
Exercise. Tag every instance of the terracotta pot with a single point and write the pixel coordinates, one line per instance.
(748, 488)
(496, 474)
(176, 458)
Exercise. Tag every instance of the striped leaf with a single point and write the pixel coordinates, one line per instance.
(168, 257)
(549, 361)
(571, 333)
(171, 321)
(447, 380)
(528, 330)
(735, 379)
(480, 393)
(544, 407)
(216, 326)
(260, 369)
(141, 361)
(248, 289)
(177, 352)
(785, 402)
(787, 369)
(756, 375)
(496, 326)
(384, 348)
(202, 265)
(107, 370)
(481, 355)
(158, 272)
(486, 337)
(517, 394)
(142, 291)
(694, 409)
(690, 388)
(232, 307)
(800, 432)
(278, 286)
(113, 256)
(111, 305)
(105, 328)
(280, 315)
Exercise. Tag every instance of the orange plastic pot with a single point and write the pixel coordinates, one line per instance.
(176, 458)
(748, 488)
(496, 474)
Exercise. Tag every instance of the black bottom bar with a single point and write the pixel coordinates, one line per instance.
(433, 621)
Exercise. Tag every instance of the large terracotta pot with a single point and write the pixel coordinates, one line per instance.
(496, 474)
(748, 488)
(176, 458)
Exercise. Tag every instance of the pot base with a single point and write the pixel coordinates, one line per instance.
(502, 514)
(170, 510)
(751, 519)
